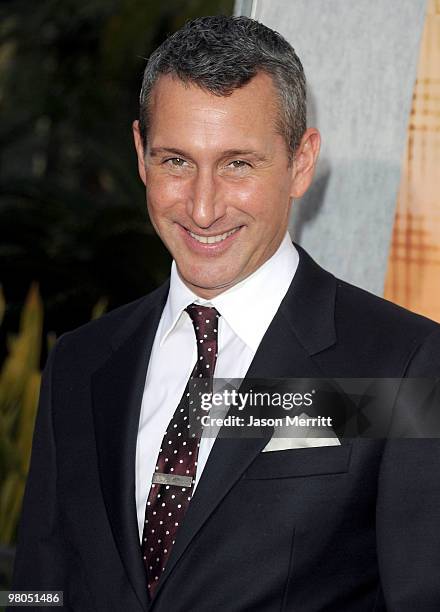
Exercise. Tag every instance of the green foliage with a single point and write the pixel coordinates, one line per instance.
(20, 379)
(19, 389)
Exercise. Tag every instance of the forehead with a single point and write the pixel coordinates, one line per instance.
(187, 112)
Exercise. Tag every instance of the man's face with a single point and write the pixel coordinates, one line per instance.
(218, 180)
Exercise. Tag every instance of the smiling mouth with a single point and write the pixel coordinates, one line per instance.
(212, 239)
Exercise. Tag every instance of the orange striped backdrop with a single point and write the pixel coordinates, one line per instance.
(413, 276)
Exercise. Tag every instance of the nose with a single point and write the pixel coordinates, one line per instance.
(204, 202)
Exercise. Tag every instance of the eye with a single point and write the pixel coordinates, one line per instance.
(177, 162)
(239, 163)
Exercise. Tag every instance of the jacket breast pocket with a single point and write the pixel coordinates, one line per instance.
(295, 463)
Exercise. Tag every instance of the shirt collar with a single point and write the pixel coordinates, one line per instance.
(249, 306)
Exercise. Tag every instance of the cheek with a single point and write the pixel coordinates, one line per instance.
(268, 204)
(163, 195)
(247, 197)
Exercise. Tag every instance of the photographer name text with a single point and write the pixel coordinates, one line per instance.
(287, 421)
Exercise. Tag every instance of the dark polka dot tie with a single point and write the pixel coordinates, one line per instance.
(173, 480)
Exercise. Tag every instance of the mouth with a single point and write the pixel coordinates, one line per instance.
(212, 239)
(210, 245)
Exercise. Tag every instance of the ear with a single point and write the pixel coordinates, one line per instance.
(304, 163)
(139, 150)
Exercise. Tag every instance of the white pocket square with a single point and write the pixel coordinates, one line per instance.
(303, 437)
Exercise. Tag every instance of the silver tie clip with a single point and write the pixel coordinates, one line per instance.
(172, 479)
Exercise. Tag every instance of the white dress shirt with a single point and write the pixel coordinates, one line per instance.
(174, 353)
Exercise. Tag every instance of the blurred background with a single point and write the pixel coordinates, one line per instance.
(75, 235)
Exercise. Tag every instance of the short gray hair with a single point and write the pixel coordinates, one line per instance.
(220, 54)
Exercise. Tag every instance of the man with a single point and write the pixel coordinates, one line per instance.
(123, 510)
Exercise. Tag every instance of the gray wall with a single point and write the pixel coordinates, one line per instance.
(360, 59)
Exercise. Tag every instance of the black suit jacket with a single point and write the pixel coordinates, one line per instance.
(354, 527)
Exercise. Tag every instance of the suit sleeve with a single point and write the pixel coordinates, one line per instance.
(40, 561)
(408, 509)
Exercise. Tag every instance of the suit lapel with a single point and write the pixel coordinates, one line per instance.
(117, 389)
(303, 326)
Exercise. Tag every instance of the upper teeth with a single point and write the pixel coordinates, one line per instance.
(211, 239)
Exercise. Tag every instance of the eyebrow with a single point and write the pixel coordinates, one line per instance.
(156, 151)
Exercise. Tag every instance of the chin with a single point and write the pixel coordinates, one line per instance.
(208, 284)
(204, 276)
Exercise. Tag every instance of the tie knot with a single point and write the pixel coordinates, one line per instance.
(205, 321)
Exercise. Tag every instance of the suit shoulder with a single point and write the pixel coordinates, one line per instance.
(374, 329)
(106, 323)
(376, 338)
(94, 336)
(371, 310)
